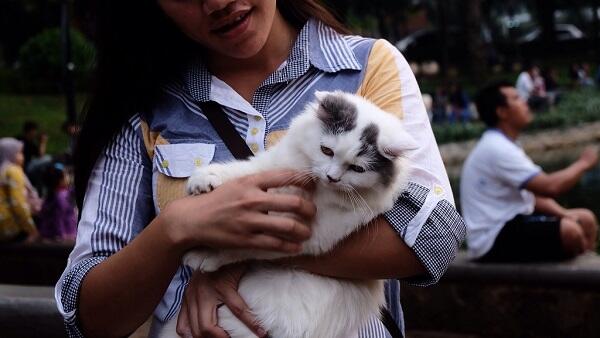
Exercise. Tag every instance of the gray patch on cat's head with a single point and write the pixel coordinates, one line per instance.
(337, 114)
(377, 162)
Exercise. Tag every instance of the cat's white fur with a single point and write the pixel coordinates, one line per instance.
(296, 304)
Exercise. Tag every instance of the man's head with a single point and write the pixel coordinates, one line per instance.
(531, 68)
(500, 103)
(30, 130)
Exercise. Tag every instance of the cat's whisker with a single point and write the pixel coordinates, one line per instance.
(362, 199)
(351, 199)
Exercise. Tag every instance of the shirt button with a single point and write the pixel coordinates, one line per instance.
(254, 131)
(198, 162)
(254, 147)
(257, 118)
(165, 164)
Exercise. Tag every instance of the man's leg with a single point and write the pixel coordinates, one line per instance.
(572, 237)
(589, 224)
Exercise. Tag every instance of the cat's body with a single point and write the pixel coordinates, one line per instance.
(354, 150)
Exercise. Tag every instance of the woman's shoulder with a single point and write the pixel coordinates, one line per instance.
(14, 171)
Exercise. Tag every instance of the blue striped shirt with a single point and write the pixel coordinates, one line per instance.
(127, 186)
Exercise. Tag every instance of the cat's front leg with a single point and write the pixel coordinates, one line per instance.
(206, 261)
(210, 177)
(209, 261)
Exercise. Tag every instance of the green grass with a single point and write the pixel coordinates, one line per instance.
(47, 110)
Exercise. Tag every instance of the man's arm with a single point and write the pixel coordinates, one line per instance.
(549, 206)
(557, 183)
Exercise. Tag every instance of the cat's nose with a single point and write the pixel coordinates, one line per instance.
(333, 180)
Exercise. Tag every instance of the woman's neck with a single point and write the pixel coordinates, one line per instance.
(245, 75)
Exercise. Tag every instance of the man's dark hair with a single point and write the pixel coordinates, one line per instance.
(29, 126)
(489, 99)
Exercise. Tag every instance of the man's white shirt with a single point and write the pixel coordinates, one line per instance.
(492, 189)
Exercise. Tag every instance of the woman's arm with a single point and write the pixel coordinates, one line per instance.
(376, 252)
(120, 268)
(233, 216)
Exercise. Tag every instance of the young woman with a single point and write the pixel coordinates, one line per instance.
(261, 61)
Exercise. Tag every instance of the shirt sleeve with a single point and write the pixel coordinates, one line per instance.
(514, 167)
(116, 207)
(424, 215)
(17, 193)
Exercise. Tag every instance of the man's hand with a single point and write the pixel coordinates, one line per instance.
(589, 157)
(203, 296)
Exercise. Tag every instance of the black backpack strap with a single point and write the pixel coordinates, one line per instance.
(232, 139)
(390, 324)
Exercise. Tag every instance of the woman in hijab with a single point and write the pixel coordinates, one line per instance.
(16, 195)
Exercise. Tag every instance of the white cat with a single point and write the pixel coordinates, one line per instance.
(355, 150)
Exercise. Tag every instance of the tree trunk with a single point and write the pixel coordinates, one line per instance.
(475, 46)
(545, 10)
(442, 24)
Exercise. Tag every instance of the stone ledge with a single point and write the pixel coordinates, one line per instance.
(509, 300)
(27, 311)
(580, 273)
(33, 264)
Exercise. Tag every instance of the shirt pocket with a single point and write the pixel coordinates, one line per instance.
(173, 164)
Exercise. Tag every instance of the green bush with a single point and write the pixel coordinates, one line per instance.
(576, 107)
(40, 61)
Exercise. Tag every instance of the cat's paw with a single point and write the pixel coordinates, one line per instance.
(203, 181)
(210, 264)
(193, 260)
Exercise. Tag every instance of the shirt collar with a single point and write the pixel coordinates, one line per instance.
(329, 50)
(317, 44)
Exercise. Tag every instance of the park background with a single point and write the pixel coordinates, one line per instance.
(47, 58)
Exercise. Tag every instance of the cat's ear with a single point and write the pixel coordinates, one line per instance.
(400, 145)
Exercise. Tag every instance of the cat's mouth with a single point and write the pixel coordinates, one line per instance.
(338, 186)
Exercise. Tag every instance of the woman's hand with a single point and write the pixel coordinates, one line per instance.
(203, 296)
(235, 215)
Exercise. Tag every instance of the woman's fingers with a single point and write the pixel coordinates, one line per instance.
(207, 316)
(285, 228)
(287, 203)
(266, 242)
(281, 178)
(240, 309)
(183, 323)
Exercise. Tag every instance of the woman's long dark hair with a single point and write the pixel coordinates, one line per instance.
(138, 51)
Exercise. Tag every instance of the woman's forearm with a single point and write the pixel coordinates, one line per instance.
(374, 252)
(119, 294)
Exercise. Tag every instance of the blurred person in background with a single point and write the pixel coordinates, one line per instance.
(508, 201)
(551, 83)
(530, 86)
(459, 105)
(58, 217)
(17, 197)
(34, 151)
(34, 142)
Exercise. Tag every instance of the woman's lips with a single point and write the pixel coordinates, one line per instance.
(234, 25)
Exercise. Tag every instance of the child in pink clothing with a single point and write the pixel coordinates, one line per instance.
(58, 218)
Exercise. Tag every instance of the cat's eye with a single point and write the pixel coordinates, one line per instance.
(327, 151)
(356, 168)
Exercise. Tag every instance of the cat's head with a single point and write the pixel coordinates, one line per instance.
(359, 145)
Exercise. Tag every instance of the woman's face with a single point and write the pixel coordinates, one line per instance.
(235, 28)
(20, 158)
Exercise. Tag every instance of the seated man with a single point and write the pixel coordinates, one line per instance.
(507, 200)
